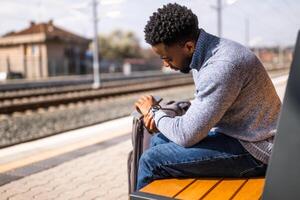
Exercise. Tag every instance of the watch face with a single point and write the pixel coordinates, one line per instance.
(153, 110)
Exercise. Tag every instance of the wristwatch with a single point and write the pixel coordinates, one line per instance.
(154, 109)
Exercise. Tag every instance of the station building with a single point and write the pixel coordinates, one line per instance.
(43, 50)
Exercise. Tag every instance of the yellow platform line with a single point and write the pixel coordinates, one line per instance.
(61, 150)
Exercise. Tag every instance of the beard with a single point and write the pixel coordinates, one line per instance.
(186, 69)
(186, 66)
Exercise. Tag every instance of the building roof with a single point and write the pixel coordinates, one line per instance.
(50, 32)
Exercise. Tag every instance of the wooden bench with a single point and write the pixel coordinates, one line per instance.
(203, 188)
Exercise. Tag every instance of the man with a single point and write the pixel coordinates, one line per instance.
(229, 128)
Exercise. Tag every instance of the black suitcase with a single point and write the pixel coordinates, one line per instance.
(141, 137)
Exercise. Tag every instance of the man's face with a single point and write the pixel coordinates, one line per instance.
(176, 56)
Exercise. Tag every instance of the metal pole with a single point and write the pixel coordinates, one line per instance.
(95, 46)
(247, 32)
(219, 8)
(219, 12)
(280, 56)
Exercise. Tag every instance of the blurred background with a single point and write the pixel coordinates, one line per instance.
(43, 38)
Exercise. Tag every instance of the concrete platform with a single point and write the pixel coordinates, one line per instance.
(88, 163)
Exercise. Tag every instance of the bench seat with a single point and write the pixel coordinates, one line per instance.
(203, 188)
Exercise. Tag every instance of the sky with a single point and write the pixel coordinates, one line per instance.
(271, 22)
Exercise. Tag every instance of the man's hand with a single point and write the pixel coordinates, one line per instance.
(150, 123)
(145, 103)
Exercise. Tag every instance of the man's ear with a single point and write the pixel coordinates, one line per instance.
(189, 47)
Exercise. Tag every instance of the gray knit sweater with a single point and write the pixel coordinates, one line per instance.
(234, 95)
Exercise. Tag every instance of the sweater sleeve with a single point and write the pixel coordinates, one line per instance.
(218, 84)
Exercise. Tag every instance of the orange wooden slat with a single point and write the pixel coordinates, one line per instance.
(252, 190)
(167, 187)
(198, 189)
(225, 189)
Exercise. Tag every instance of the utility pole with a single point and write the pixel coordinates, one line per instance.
(96, 83)
(219, 9)
(247, 32)
(280, 56)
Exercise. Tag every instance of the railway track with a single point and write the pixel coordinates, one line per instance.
(22, 101)
(63, 81)
(36, 102)
(108, 83)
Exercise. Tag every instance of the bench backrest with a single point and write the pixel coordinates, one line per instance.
(283, 173)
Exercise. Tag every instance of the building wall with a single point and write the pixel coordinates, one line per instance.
(11, 59)
(31, 55)
(274, 58)
(57, 63)
(40, 60)
(65, 58)
(35, 60)
(43, 54)
(44, 59)
(28, 59)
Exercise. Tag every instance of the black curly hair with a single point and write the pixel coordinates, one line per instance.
(170, 24)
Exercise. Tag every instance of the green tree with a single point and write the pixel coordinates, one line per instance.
(119, 45)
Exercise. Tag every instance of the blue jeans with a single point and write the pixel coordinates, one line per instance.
(217, 155)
